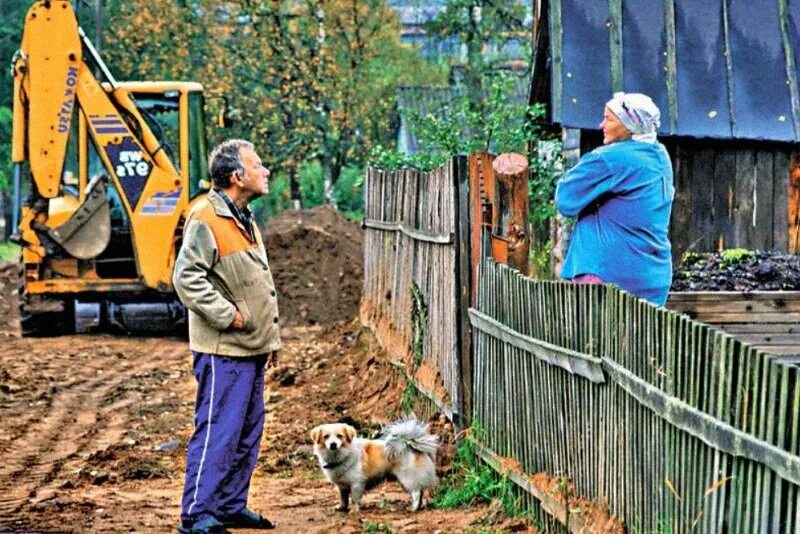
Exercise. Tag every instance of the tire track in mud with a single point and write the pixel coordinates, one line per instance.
(77, 418)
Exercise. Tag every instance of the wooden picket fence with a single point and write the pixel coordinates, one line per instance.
(604, 409)
(411, 272)
(674, 425)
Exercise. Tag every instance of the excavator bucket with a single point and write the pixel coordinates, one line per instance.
(87, 232)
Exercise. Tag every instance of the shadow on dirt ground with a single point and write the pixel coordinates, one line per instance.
(94, 430)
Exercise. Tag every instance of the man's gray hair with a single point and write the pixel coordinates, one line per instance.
(226, 159)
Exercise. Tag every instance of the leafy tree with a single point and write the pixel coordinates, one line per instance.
(485, 27)
(10, 40)
(314, 80)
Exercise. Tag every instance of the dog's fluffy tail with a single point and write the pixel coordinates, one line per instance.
(409, 433)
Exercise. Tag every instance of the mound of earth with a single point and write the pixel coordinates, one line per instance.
(317, 262)
(738, 271)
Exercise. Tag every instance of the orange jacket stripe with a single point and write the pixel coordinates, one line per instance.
(229, 237)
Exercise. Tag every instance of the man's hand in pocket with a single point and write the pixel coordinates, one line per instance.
(238, 321)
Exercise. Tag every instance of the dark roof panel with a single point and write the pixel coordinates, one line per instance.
(702, 84)
(643, 72)
(585, 82)
(762, 100)
(715, 68)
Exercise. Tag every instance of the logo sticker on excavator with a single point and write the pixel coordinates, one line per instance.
(130, 166)
(65, 112)
(163, 203)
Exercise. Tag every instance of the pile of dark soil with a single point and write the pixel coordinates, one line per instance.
(738, 271)
(317, 262)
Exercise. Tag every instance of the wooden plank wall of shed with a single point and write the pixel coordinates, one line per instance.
(731, 195)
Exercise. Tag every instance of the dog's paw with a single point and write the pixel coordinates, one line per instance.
(341, 508)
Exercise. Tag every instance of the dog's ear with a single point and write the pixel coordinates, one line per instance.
(315, 434)
(350, 432)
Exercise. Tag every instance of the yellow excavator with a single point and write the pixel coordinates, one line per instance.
(104, 173)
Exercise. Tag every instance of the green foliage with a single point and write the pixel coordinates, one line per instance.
(473, 482)
(9, 251)
(500, 123)
(382, 157)
(419, 323)
(6, 168)
(10, 40)
(370, 526)
(313, 81)
(480, 21)
(545, 169)
(409, 398)
(693, 258)
(735, 256)
(348, 193)
(484, 27)
(539, 261)
(275, 201)
(312, 192)
(504, 125)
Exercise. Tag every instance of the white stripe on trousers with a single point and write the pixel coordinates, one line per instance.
(208, 434)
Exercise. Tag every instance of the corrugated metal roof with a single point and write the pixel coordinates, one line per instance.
(716, 68)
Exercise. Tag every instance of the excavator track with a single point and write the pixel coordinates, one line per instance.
(44, 317)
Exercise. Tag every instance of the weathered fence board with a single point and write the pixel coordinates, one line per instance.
(411, 278)
(768, 320)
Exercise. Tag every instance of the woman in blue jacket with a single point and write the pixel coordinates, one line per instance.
(622, 196)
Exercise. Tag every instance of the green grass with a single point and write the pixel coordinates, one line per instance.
(370, 526)
(409, 398)
(9, 251)
(471, 482)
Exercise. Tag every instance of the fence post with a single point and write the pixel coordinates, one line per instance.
(463, 296)
(481, 191)
(511, 208)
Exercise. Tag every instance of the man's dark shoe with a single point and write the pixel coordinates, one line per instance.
(206, 525)
(247, 519)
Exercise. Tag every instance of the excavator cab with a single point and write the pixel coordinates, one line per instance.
(110, 170)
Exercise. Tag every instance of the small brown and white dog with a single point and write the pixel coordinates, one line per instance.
(405, 452)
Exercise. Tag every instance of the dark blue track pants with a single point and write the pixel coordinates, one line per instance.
(228, 422)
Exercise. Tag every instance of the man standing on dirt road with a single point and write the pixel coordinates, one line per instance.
(222, 276)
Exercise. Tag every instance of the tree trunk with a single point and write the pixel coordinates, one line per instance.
(511, 174)
(294, 187)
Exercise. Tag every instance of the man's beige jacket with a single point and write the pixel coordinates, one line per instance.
(221, 269)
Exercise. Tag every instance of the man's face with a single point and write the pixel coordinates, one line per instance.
(253, 180)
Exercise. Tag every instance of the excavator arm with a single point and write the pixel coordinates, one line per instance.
(54, 85)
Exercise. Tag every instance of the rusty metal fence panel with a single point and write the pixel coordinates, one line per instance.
(410, 281)
(673, 425)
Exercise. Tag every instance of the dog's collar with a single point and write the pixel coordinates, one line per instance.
(332, 465)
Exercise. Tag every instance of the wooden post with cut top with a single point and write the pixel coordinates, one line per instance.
(510, 234)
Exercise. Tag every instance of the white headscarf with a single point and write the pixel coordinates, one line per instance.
(638, 114)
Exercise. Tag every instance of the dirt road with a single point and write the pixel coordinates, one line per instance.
(94, 430)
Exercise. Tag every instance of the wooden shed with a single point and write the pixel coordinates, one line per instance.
(723, 73)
